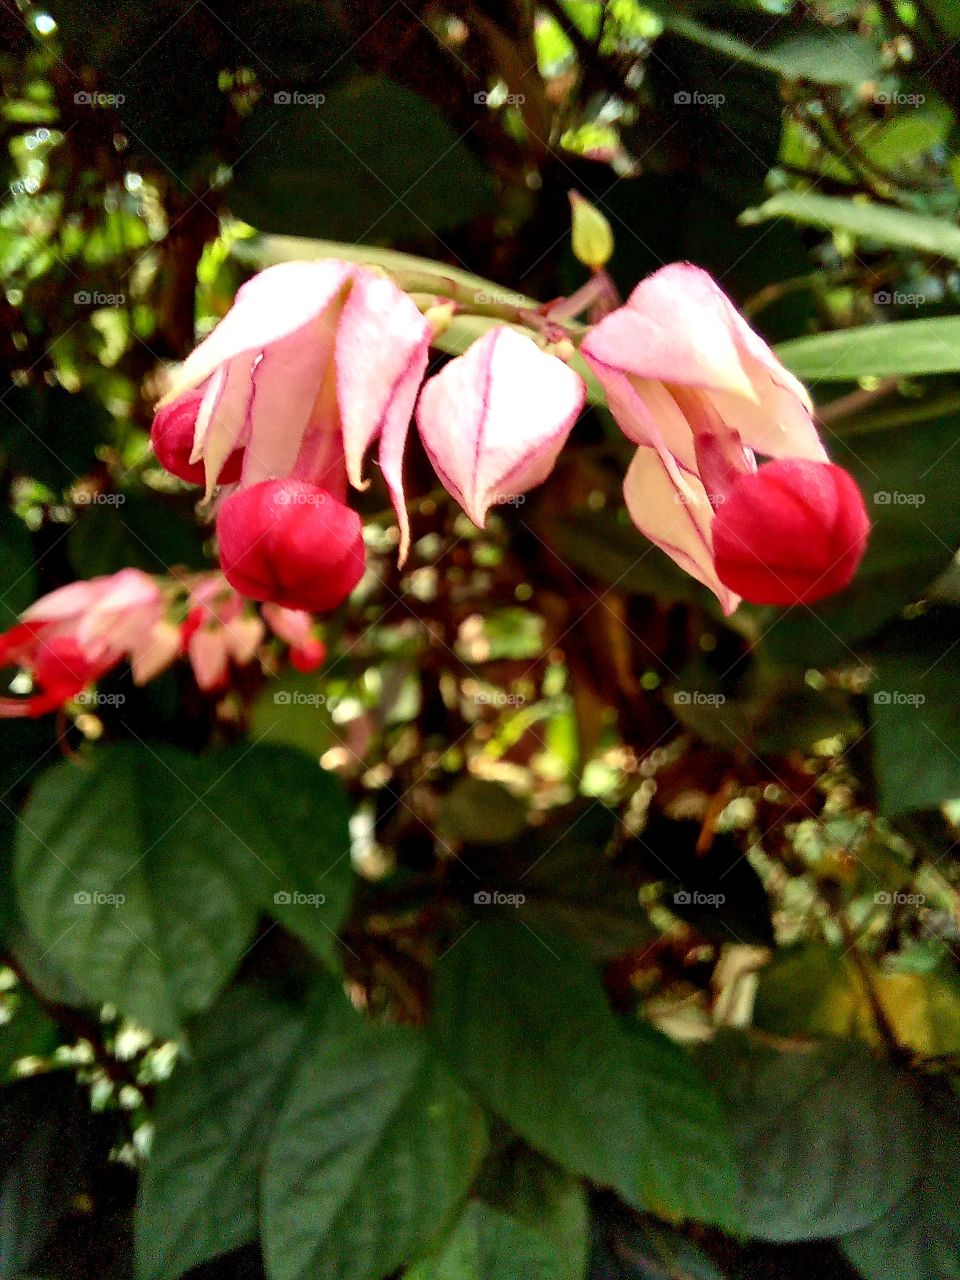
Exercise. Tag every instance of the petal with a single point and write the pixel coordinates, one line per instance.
(270, 306)
(382, 349)
(155, 652)
(493, 420)
(207, 651)
(679, 524)
(287, 384)
(675, 327)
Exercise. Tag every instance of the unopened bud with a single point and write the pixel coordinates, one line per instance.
(592, 235)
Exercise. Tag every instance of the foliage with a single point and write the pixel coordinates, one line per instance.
(558, 926)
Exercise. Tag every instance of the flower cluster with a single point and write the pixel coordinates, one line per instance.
(316, 362)
(71, 638)
(277, 408)
(275, 412)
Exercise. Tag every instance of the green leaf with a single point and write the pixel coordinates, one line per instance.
(294, 817)
(931, 345)
(199, 1193)
(481, 812)
(489, 1245)
(17, 568)
(549, 1056)
(876, 223)
(129, 882)
(333, 168)
(913, 708)
(544, 1199)
(919, 1237)
(569, 884)
(827, 1134)
(824, 57)
(371, 1155)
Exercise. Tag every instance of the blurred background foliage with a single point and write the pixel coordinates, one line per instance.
(746, 827)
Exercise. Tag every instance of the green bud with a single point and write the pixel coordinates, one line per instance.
(592, 233)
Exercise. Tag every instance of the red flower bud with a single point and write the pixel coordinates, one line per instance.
(172, 438)
(291, 543)
(790, 533)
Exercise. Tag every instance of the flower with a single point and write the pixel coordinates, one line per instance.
(312, 364)
(74, 635)
(494, 419)
(296, 629)
(701, 394)
(291, 543)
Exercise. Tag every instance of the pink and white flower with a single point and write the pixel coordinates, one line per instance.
(494, 420)
(701, 395)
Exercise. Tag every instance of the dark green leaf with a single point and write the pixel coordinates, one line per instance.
(199, 1193)
(331, 169)
(295, 817)
(130, 883)
(371, 1155)
(525, 1019)
(919, 1237)
(827, 1134)
(913, 708)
